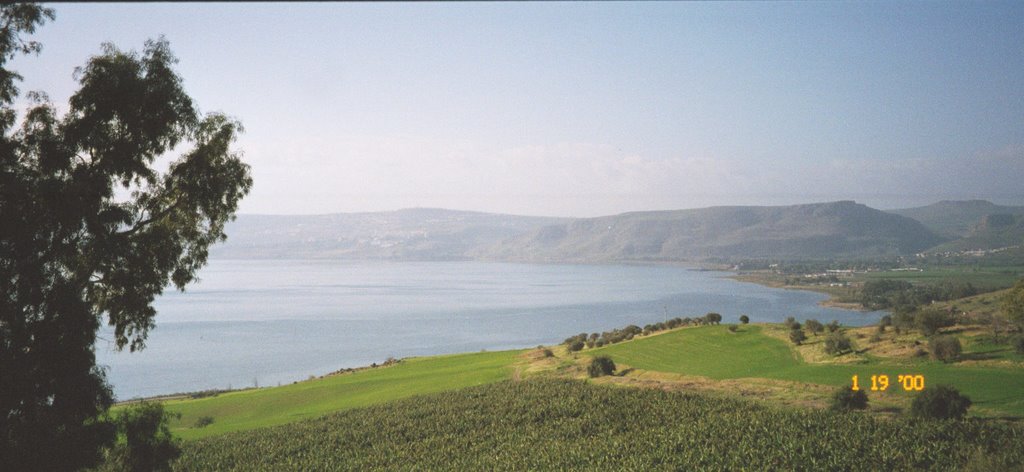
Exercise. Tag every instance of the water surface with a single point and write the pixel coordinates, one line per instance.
(270, 322)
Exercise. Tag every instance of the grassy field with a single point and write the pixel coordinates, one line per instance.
(271, 406)
(559, 424)
(985, 278)
(716, 353)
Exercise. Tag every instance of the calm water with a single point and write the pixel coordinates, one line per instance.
(271, 322)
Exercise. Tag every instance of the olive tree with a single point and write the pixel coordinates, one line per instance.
(92, 231)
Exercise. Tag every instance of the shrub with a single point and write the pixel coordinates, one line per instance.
(847, 399)
(713, 318)
(548, 353)
(601, 365)
(945, 348)
(789, 322)
(837, 344)
(885, 321)
(576, 346)
(204, 421)
(797, 336)
(940, 402)
(744, 319)
(732, 328)
(832, 326)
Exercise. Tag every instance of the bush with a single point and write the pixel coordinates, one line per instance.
(204, 421)
(837, 344)
(713, 318)
(945, 348)
(789, 322)
(576, 346)
(940, 402)
(744, 319)
(797, 336)
(548, 353)
(847, 399)
(732, 328)
(601, 365)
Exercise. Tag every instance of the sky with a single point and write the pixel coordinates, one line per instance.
(585, 109)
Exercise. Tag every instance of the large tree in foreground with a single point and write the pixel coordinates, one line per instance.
(90, 230)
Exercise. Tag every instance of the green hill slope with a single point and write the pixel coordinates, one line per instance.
(713, 351)
(270, 406)
(548, 424)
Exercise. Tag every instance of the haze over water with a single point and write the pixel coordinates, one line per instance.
(273, 321)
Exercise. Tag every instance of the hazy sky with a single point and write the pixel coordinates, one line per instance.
(584, 109)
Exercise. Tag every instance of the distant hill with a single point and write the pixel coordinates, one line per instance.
(991, 232)
(412, 234)
(821, 230)
(956, 219)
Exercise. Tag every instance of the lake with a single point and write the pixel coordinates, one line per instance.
(269, 322)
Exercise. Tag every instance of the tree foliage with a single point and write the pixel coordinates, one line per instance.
(814, 326)
(930, 321)
(836, 344)
(744, 319)
(797, 336)
(90, 230)
(148, 444)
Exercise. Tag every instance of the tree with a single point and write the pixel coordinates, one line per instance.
(601, 365)
(576, 346)
(148, 444)
(931, 320)
(832, 326)
(1013, 303)
(940, 402)
(797, 336)
(1018, 344)
(789, 322)
(836, 344)
(814, 326)
(89, 230)
(713, 318)
(945, 348)
(847, 399)
(744, 319)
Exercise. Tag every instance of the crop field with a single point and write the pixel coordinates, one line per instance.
(983, 277)
(556, 424)
(271, 406)
(714, 352)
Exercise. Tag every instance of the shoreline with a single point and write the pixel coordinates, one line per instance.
(830, 302)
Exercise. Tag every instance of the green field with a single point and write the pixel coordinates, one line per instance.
(271, 406)
(714, 352)
(558, 424)
(985, 278)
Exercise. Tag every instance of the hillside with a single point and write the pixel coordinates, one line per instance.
(956, 219)
(821, 230)
(411, 234)
(992, 232)
(550, 424)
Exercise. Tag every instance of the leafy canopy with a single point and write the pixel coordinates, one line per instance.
(90, 230)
